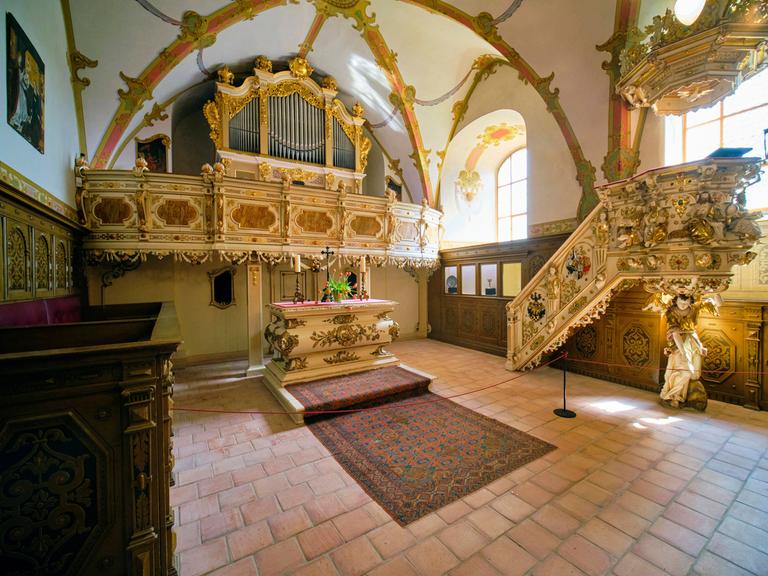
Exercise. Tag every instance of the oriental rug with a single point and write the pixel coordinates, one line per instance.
(415, 455)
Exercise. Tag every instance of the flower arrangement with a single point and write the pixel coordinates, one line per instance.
(338, 288)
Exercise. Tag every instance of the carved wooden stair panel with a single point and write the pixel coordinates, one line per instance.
(677, 229)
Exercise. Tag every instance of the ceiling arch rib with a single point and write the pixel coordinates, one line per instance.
(485, 25)
(317, 24)
(196, 31)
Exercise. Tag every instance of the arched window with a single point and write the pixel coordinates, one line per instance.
(739, 121)
(512, 197)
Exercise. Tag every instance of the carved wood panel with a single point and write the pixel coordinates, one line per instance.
(735, 342)
(480, 322)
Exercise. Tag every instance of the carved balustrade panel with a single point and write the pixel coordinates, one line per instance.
(132, 214)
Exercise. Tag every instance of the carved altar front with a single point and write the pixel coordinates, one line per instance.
(321, 340)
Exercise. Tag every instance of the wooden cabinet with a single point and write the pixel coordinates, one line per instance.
(85, 447)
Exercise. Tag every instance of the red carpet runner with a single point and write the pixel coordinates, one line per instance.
(422, 451)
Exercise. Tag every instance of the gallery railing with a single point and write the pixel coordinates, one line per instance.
(133, 214)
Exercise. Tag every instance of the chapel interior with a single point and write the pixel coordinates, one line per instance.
(387, 287)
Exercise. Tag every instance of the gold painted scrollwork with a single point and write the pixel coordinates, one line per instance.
(213, 116)
(365, 149)
(341, 356)
(290, 86)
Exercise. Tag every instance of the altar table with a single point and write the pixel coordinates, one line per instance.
(315, 340)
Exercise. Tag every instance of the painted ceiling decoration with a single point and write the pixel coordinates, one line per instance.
(405, 129)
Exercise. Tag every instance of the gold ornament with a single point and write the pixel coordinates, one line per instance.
(329, 83)
(263, 63)
(225, 75)
(300, 68)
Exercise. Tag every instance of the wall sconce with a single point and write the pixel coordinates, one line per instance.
(468, 185)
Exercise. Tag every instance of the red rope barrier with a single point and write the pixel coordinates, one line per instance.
(380, 407)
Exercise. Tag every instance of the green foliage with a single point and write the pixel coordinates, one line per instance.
(338, 286)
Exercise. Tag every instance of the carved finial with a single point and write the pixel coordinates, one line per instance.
(81, 165)
(300, 68)
(141, 166)
(263, 63)
(357, 110)
(206, 169)
(329, 83)
(225, 75)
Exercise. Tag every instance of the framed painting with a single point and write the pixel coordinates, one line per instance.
(25, 74)
(155, 151)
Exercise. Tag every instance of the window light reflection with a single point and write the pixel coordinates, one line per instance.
(612, 406)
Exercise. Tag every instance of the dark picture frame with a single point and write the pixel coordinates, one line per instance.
(25, 75)
(155, 151)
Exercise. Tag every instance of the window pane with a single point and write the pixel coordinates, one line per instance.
(505, 203)
(701, 116)
(504, 176)
(468, 279)
(451, 282)
(505, 229)
(702, 141)
(751, 93)
(520, 164)
(488, 279)
(673, 140)
(519, 197)
(519, 227)
(512, 275)
(746, 130)
(757, 194)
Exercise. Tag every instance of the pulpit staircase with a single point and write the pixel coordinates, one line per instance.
(676, 229)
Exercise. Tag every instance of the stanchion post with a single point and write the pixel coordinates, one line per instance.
(564, 412)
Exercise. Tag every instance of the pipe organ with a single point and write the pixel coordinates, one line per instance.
(281, 123)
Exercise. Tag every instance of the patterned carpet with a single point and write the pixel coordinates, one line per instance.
(421, 453)
(363, 388)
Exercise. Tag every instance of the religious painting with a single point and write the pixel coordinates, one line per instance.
(25, 74)
(155, 151)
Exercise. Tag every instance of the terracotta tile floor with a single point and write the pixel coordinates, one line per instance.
(634, 489)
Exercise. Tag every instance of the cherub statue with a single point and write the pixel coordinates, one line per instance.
(684, 348)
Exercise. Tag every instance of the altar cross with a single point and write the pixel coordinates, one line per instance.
(327, 253)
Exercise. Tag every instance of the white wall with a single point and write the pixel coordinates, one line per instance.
(206, 330)
(553, 192)
(43, 23)
(394, 284)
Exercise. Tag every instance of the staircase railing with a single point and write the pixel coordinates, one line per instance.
(677, 229)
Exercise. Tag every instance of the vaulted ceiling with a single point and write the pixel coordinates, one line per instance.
(407, 61)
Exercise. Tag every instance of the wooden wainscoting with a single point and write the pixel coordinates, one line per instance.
(37, 249)
(478, 319)
(627, 346)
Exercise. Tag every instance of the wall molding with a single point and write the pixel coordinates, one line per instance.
(552, 228)
(35, 196)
